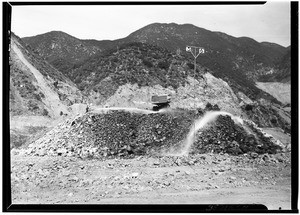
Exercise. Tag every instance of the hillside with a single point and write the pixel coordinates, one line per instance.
(128, 75)
(131, 75)
(238, 61)
(35, 86)
(281, 91)
(38, 94)
(60, 49)
(282, 72)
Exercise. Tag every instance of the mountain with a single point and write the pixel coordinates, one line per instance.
(134, 72)
(36, 87)
(122, 73)
(224, 53)
(60, 49)
(239, 61)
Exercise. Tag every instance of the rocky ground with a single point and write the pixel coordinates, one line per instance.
(127, 134)
(199, 179)
(121, 157)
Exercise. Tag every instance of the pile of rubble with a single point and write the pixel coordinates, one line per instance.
(128, 134)
(227, 137)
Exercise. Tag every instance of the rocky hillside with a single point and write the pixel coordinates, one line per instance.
(36, 88)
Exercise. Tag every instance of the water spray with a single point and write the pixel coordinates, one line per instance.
(201, 123)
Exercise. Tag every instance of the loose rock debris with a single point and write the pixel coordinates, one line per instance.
(61, 179)
(125, 134)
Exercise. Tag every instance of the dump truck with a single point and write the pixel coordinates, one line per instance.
(160, 101)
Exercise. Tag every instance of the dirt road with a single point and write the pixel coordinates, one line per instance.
(200, 179)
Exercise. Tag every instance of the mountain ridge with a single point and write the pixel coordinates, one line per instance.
(241, 61)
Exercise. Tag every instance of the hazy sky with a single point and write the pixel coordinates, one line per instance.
(269, 22)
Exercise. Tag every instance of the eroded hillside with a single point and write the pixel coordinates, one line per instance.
(36, 88)
(38, 94)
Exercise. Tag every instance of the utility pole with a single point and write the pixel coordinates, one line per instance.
(196, 51)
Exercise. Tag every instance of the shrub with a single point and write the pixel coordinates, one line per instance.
(37, 97)
(273, 121)
(32, 105)
(190, 65)
(163, 64)
(208, 106)
(45, 113)
(147, 63)
(248, 107)
(216, 107)
(55, 84)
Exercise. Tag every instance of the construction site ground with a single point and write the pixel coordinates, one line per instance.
(198, 179)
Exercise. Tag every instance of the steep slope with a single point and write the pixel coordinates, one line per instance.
(36, 87)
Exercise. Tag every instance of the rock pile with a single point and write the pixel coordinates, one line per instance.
(128, 134)
(225, 136)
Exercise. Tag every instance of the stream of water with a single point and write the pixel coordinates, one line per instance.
(201, 123)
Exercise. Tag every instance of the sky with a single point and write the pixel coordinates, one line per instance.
(269, 22)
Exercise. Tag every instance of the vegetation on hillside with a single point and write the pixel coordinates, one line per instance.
(239, 61)
(148, 65)
(140, 63)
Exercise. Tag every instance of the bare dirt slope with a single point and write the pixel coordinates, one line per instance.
(195, 94)
(280, 91)
(51, 98)
(200, 179)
